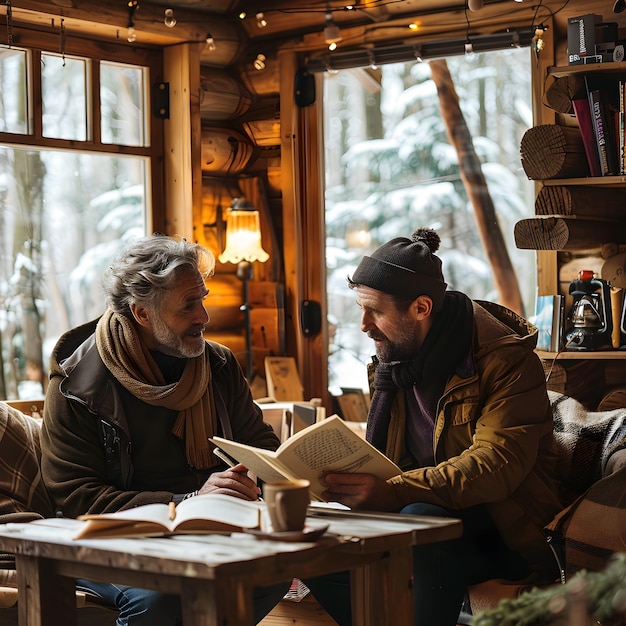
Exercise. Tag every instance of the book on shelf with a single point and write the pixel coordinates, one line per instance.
(621, 128)
(207, 513)
(585, 125)
(549, 319)
(327, 446)
(604, 104)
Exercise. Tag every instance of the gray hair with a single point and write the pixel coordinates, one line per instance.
(149, 268)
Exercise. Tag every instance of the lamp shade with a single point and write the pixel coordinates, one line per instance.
(243, 235)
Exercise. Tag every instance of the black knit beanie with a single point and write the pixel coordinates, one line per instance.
(405, 268)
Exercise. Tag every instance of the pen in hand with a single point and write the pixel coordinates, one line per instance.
(220, 454)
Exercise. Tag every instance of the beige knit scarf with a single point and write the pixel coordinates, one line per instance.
(127, 357)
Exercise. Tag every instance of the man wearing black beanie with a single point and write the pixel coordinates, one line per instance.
(459, 402)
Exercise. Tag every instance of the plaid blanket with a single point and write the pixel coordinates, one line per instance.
(22, 493)
(586, 441)
(593, 527)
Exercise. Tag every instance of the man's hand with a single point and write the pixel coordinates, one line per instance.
(232, 482)
(360, 491)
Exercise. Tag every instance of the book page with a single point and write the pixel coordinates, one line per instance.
(326, 446)
(331, 446)
(193, 513)
(204, 513)
(261, 462)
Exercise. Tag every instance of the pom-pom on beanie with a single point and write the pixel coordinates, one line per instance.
(405, 268)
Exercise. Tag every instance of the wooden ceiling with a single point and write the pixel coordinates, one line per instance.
(292, 23)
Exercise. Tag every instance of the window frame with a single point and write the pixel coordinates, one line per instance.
(94, 52)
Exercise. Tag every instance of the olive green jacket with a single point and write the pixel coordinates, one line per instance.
(493, 439)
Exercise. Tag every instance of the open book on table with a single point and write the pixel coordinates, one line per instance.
(324, 447)
(206, 513)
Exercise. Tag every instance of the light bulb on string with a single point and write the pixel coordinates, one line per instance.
(332, 34)
(259, 62)
(170, 18)
(210, 42)
(537, 42)
(131, 33)
(260, 20)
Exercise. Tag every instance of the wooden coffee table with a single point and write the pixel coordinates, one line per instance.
(215, 573)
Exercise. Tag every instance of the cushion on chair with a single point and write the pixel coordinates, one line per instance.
(586, 441)
(23, 496)
(593, 528)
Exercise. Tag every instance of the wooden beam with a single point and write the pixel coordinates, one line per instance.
(102, 19)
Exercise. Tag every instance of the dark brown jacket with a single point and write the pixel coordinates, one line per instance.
(104, 450)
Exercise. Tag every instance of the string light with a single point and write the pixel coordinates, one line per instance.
(537, 41)
(332, 34)
(131, 34)
(62, 40)
(261, 22)
(170, 19)
(210, 42)
(259, 62)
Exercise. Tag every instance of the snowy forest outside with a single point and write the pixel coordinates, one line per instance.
(390, 168)
(64, 213)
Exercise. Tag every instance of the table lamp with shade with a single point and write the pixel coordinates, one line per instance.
(243, 247)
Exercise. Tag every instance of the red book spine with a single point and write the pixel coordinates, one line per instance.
(585, 124)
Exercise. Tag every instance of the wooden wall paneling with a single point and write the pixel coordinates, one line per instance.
(183, 188)
(222, 96)
(261, 82)
(224, 303)
(224, 150)
(264, 132)
(267, 319)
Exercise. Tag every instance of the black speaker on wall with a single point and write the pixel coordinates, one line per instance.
(304, 88)
(310, 318)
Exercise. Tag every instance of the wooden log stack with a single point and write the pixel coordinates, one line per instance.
(553, 151)
(566, 233)
(580, 201)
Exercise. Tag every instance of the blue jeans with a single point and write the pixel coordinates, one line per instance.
(142, 607)
(441, 571)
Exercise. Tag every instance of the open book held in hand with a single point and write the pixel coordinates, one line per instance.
(207, 513)
(324, 447)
